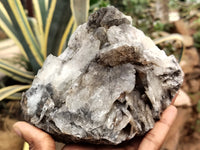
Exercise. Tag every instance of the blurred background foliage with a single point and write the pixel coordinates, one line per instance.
(39, 28)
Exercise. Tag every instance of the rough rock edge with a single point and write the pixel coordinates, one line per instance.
(109, 53)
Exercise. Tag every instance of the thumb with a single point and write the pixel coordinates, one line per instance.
(154, 138)
(36, 138)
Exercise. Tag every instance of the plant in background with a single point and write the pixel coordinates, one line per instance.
(96, 4)
(169, 48)
(37, 37)
(159, 26)
(184, 8)
(141, 12)
(135, 6)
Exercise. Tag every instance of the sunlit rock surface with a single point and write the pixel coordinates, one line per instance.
(111, 83)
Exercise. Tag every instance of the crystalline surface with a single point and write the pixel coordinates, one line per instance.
(110, 84)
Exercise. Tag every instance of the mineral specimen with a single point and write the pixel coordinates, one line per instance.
(111, 83)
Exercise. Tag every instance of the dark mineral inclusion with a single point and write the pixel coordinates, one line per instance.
(111, 83)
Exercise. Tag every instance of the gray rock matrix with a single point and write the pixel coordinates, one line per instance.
(111, 83)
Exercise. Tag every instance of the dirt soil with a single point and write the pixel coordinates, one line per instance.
(190, 134)
(9, 114)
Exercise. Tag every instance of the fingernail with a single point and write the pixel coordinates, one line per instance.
(173, 100)
(17, 131)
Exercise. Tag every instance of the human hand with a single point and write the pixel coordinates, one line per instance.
(39, 140)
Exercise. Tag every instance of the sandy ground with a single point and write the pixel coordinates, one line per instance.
(8, 139)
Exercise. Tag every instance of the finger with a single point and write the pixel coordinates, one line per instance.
(154, 138)
(174, 99)
(36, 138)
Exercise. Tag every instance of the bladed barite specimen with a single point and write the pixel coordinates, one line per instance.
(111, 83)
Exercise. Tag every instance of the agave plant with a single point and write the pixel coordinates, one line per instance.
(47, 32)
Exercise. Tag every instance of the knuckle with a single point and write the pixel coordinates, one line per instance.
(165, 123)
